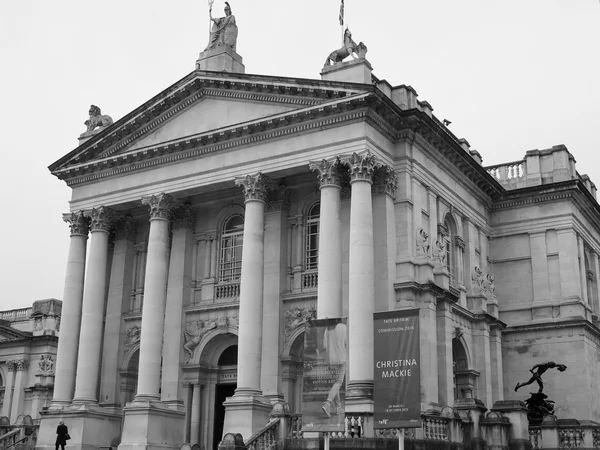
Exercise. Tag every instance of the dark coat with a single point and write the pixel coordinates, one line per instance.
(61, 433)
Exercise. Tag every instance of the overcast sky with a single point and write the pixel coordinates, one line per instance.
(511, 75)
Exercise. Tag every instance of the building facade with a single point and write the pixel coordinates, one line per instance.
(208, 225)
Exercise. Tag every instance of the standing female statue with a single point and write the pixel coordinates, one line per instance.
(224, 30)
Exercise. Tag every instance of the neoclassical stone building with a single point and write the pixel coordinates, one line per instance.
(28, 343)
(211, 222)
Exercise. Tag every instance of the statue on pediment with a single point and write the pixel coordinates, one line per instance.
(350, 48)
(224, 29)
(96, 120)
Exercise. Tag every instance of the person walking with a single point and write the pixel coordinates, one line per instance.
(62, 434)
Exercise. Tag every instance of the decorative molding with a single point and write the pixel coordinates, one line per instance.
(297, 317)
(385, 181)
(79, 223)
(160, 205)
(256, 186)
(459, 242)
(101, 219)
(46, 365)
(125, 228)
(184, 217)
(328, 171)
(17, 364)
(361, 166)
(443, 230)
(278, 199)
(132, 337)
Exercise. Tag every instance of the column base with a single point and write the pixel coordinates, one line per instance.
(90, 426)
(152, 426)
(245, 413)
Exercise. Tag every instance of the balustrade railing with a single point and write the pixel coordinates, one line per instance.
(295, 427)
(435, 428)
(310, 280)
(265, 439)
(535, 437)
(571, 437)
(508, 171)
(15, 314)
(9, 439)
(230, 290)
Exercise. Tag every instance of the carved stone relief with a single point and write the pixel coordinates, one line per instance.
(297, 317)
(196, 329)
(439, 252)
(423, 244)
(132, 337)
(46, 365)
(484, 283)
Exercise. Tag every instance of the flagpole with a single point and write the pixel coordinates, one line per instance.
(341, 17)
(210, 5)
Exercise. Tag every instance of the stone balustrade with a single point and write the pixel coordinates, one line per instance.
(230, 290)
(15, 314)
(310, 281)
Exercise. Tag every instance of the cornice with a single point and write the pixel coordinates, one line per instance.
(525, 328)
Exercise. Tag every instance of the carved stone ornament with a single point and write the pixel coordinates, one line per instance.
(278, 199)
(46, 365)
(125, 228)
(459, 242)
(79, 223)
(362, 166)
(423, 245)
(256, 187)
(38, 324)
(328, 172)
(195, 330)
(184, 217)
(132, 337)
(101, 219)
(385, 181)
(19, 364)
(484, 283)
(11, 365)
(439, 252)
(96, 120)
(297, 317)
(160, 205)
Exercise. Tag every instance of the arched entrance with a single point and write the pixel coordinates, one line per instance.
(465, 378)
(226, 385)
(292, 373)
(129, 377)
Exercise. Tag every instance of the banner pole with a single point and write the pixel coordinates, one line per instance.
(326, 446)
(401, 439)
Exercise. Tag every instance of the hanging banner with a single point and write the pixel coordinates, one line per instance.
(397, 380)
(325, 354)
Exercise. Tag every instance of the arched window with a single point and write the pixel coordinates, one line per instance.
(229, 357)
(230, 266)
(312, 237)
(451, 253)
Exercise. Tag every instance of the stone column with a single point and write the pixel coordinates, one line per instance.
(444, 352)
(582, 271)
(483, 361)
(154, 297)
(361, 301)
(497, 374)
(275, 260)
(66, 356)
(178, 295)
(329, 290)
(247, 411)
(20, 380)
(195, 414)
(94, 295)
(142, 253)
(385, 183)
(9, 384)
(119, 288)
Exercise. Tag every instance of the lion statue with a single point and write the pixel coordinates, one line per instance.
(97, 119)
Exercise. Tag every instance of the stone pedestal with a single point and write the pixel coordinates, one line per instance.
(355, 71)
(245, 413)
(151, 426)
(516, 412)
(220, 59)
(90, 426)
(476, 410)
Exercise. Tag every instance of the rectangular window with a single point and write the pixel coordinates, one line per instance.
(231, 258)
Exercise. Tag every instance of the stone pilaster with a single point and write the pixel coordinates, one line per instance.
(385, 183)
(582, 271)
(247, 411)
(596, 283)
(21, 367)
(361, 288)
(119, 288)
(329, 290)
(444, 352)
(66, 357)
(8, 387)
(178, 296)
(90, 339)
(154, 297)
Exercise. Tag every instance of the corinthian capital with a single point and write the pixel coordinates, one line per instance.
(362, 166)
(160, 205)
(256, 187)
(328, 171)
(125, 228)
(385, 181)
(101, 218)
(78, 222)
(184, 217)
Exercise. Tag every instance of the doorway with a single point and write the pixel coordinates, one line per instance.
(222, 391)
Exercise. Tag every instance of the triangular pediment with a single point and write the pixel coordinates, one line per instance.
(204, 105)
(7, 333)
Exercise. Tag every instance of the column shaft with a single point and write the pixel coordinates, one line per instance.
(154, 310)
(9, 384)
(68, 341)
(582, 271)
(20, 380)
(596, 283)
(195, 414)
(94, 294)
(251, 298)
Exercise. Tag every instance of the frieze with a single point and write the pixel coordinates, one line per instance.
(256, 186)
(132, 337)
(79, 223)
(160, 205)
(195, 331)
(296, 317)
(423, 243)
